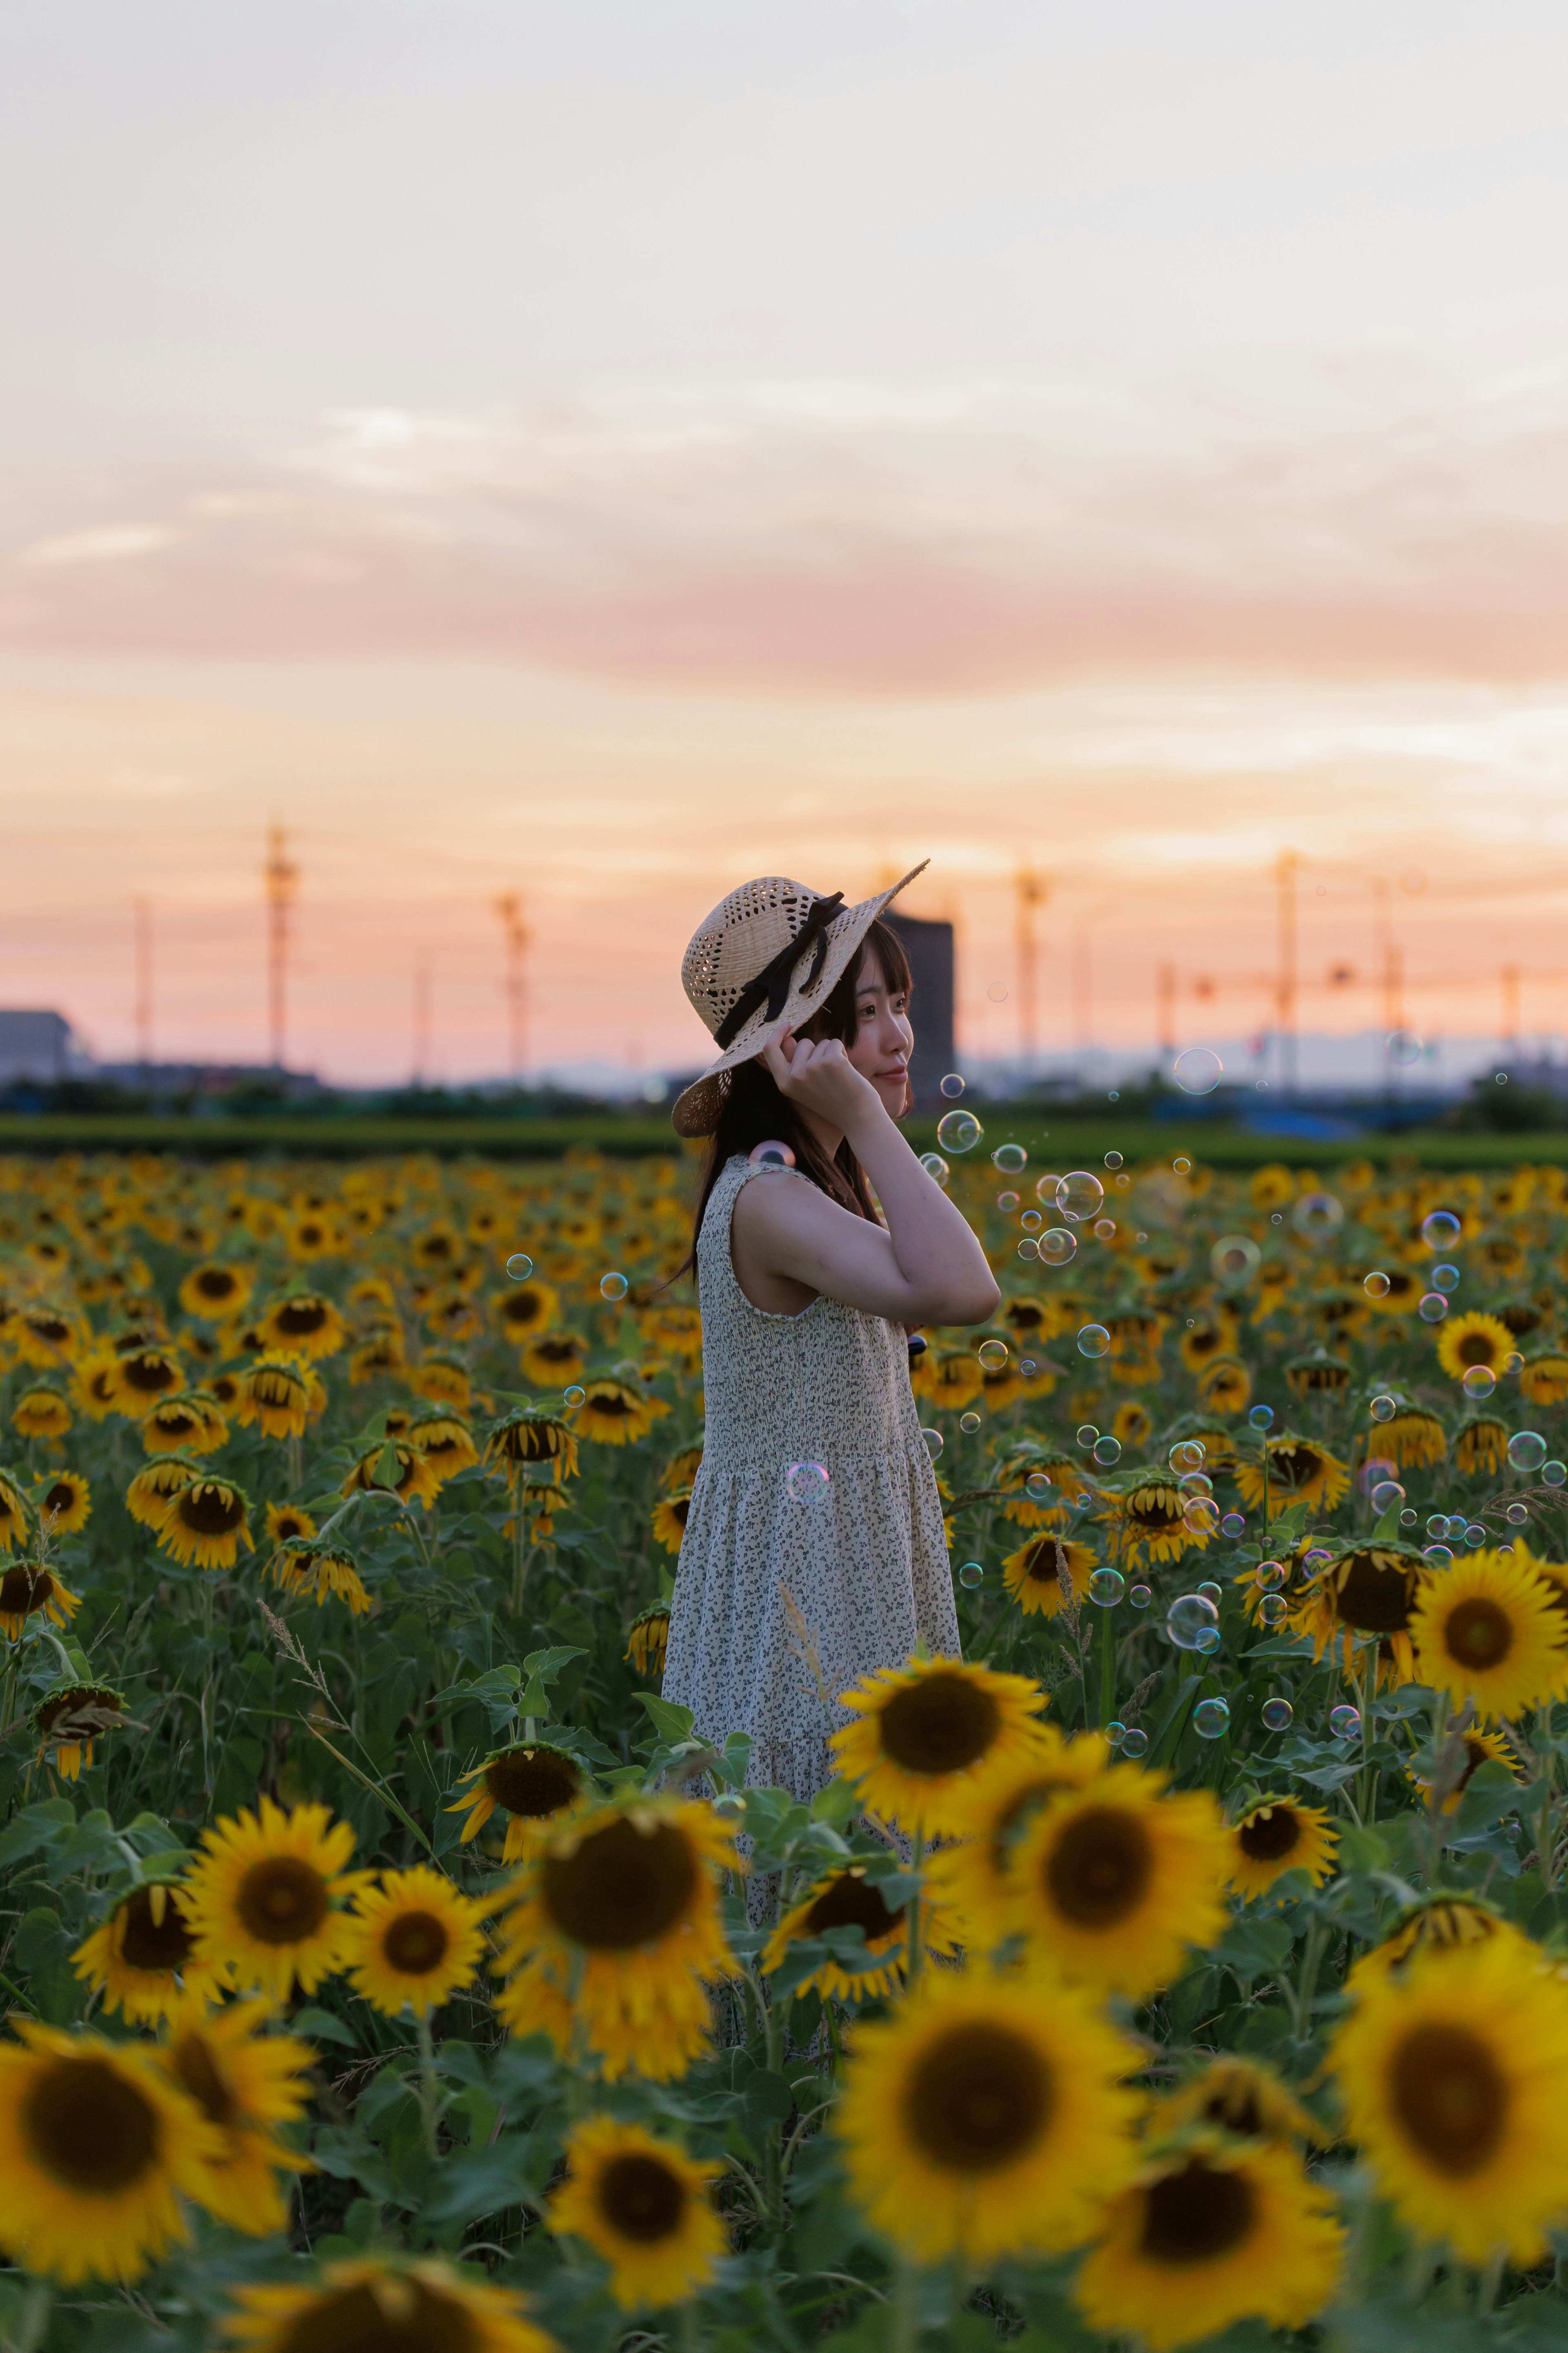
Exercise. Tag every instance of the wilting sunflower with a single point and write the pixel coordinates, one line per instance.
(303, 1324)
(204, 1523)
(40, 1412)
(928, 1734)
(1489, 1630)
(525, 1309)
(645, 2206)
(669, 1517)
(1133, 1424)
(412, 1941)
(142, 1956)
(323, 1569)
(375, 1358)
(987, 2116)
(953, 1379)
(535, 1784)
(416, 1480)
(1479, 1749)
(524, 1436)
(615, 1412)
(288, 1523)
(1455, 2083)
(371, 2305)
(187, 1422)
(675, 1331)
(277, 1397)
(1413, 1438)
(1366, 1588)
(1212, 2232)
(71, 1719)
(445, 1381)
(95, 1384)
(1146, 1510)
(1317, 1376)
(263, 1897)
(142, 1376)
(616, 1923)
(846, 1898)
(1441, 1922)
(446, 1441)
(244, 2082)
(1480, 1445)
(215, 1291)
(1403, 1294)
(28, 1588)
(647, 1639)
(12, 1511)
(1276, 1835)
(1473, 1339)
(554, 1359)
(1300, 1470)
(1032, 1574)
(1544, 1378)
(63, 1501)
(95, 2144)
(1225, 1385)
(969, 1877)
(1113, 1883)
(148, 1496)
(679, 1473)
(1241, 2096)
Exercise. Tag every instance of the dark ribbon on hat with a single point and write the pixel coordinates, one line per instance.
(776, 979)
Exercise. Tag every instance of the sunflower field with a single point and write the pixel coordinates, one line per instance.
(388, 1968)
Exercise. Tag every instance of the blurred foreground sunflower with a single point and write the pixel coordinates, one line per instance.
(645, 2206)
(532, 1782)
(245, 2081)
(971, 1875)
(1241, 2096)
(1278, 1834)
(927, 1734)
(846, 1898)
(1489, 1630)
(371, 2305)
(143, 1956)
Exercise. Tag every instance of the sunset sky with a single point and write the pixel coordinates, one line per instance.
(605, 451)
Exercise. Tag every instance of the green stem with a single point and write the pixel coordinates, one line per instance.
(1301, 2000)
(914, 1935)
(1106, 1666)
(904, 2319)
(429, 2089)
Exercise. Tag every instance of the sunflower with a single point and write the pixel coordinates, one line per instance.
(675, 1331)
(214, 1291)
(303, 1324)
(969, 1877)
(95, 1384)
(1480, 1445)
(148, 1496)
(189, 1420)
(142, 1376)
(312, 1237)
(1211, 2232)
(320, 1567)
(951, 1378)
(1413, 1438)
(376, 1358)
(647, 1639)
(40, 1412)
(1466, 1340)
(1210, 1336)
(526, 1309)
(277, 1397)
(28, 1586)
(1114, 1882)
(524, 1436)
(1133, 1424)
(244, 2082)
(203, 1522)
(262, 1897)
(1276, 1835)
(1032, 1574)
(368, 2304)
(445, 1381)
(1479, 1749)
(1146, 1510)
(446, 1441)
(1489, 1630)
(418, 1479)
(669, 1517)
(1403, 1293)
(645, 2206)
(69, 1721)
(1241, 2096)
(46, 1336)
(144, 1954)
(95, 2144)
(1317, 1376)
(535, 1784)
(845, 1898)
(987, 2116)
(681, 1472)
(1441, 1922)
(1225, 1385)
(288, 1523)
(1455, 2083)
(12, 1511)
(1544, 1378)
(927, 1734)
(615, 1412)
(1366, 1588)
(554, 1359)
(412, 1941)
(1300, 1470)
(616, 1923)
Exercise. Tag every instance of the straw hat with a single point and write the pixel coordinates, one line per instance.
(765, 960)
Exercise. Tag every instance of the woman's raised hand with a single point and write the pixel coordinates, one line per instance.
(818, 1074)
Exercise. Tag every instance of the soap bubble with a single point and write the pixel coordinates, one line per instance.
(1038, 1486)
(1344, 1723)
(1140, 1596)
(953, 1085)
(1198, 1072)
(1189, 1618)
(1057, 1245)
(773, 1157)
(1404, 1048)
(1384, 1409)
(958, 1131)
(1517, 1514)
(1444, 1277)
(1006, 1203)
(1234, 1260)
(1031, 1221)
(1386, 1492)
(1046, 1189)
(1317, 1558)
(1187, 1454)
(1093, 1340)
(1211, 1718)
(936, 1168)
(1113, 1159)
(1526, 1449)
(1262, 1416)
(520, 1266)
(1182, 1165)
(1009, 1158)
(1028, 1367)
(1439, 1555)
(1107, 1450)
(1135, 1743)
(1107, 1587)
(1086, 1433)
(1115, 1734)
(1513, 1362)
(931, 1441)
(1272, 1609)
(998, 992)
(807, 1482)
(1211, 1591)
(1438, 1525)
(1407, 1518)
(993, 1355)
(730, 1806)
(1376, 1467)
(1029, 1248)
(1377, 1286)
(1553, 1475)
(613, 1287)
(1104, 1228)
(970, 1575)
(1317, 1213)
(1270, 1575)
(574, 1397)
(1475, 1535)
(1233, 1525)
(1200, 1516)
(1480, 1381)
(1277, 1714)
(969, 1423)
(1432, 1308)
(1079, 1196)
(1195, 1483)
(1441, 1229)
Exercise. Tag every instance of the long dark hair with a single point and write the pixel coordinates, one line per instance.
(754, 1112)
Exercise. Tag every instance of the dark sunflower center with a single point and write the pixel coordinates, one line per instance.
(52, 1328)
(289, 1524)
(23, 1589)
(210, 1510)
(1197, 2215)
(559, 1351)
(281, 1901)
(88, 2127)
(1100, 1868)
(610, 1405)
(1480, 1632)
(1476, 1349)
(215, 1283)
(1449, 2096)
(1373, 1599)
(622, 1887)
(942, 1724)
(299, 1318)
(150, 1373)
(415, 1942)
(60, 1497)
(851, 1902)
(539, 1784)
(149, 1944)
(979, 2098)
(1268, 1836)
(1237, 2109)
(1156, 1511)
(357, 2320)
(197, 2071)
(1044, 1555)
(524, 1308)
(1293, 1466)
(177, 1421)
(641, 2198)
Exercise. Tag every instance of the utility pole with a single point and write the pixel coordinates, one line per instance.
(143, 910)
(281, 878)
(1166, 1009)
(1285, 986)
(1032, 891)
(509, 910)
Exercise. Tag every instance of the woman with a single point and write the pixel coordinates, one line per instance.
(814, 1548)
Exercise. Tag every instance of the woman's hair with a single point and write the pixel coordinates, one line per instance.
(754, 1112)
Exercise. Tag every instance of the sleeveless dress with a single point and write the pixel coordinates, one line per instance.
(861, 1556)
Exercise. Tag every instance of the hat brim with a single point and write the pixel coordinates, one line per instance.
(697, 1108)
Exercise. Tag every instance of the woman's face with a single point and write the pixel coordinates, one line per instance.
(883, 1039)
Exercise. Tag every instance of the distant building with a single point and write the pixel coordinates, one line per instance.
(41, 1046)
(928, 948)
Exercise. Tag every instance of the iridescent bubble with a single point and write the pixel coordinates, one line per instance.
(1376, 1467)
(1086, 1433)
(1437, 1525)
(1187, 1454)
(1513, 1362)
(1344, 1723)
(1432, 1308)
(959, 1130)
(1480, 1381)
(1134, 1743)
(730, 1806)
(1441, 1229)
(1407, 1518)
(936, 1168)
(970, 1575)
(1234, 1260)
(1270, 1575)
(1009, 1158)
(1475, 1535)
(1028, 1367)
(1057, 1245)
(1006, 1203)
(807, 1482)
(998, 992)
(1211, 1719)
(1517, 1514)
(1182, 1165)
(969, 1423)
(1195, 1483)
(1553, 1475)
(1317, 1558)
(1439, 1555)
(1046, 1189)
(1200, 1517)
(993, 1355)
(1079, 1196)
(1526, 1449)
(1317, 1213)
(1106, 1587)
(1029, 1248)
(1404, 1048)
(1277, 1714)
(1031, 1221)
(1113, 1159)
(1038, 1486)
(953, 1085)
(1262, 1416)
(931, 1441)
(1233, 1525)
(1386, 1492)
(1107, 1450)
(1271, 1610)
(1375, 1285)
(1104, 1228)
(1384, 1409)
(1140, 1596)
(773, 1157)
(1198, 1072)
(1444, 1277)
(520, 1266)
(1189, 1618)
(613, 1287)
(574, 1397)
(1115, 1734)
(1094, 1340)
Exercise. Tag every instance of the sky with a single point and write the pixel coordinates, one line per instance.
(602, 452)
